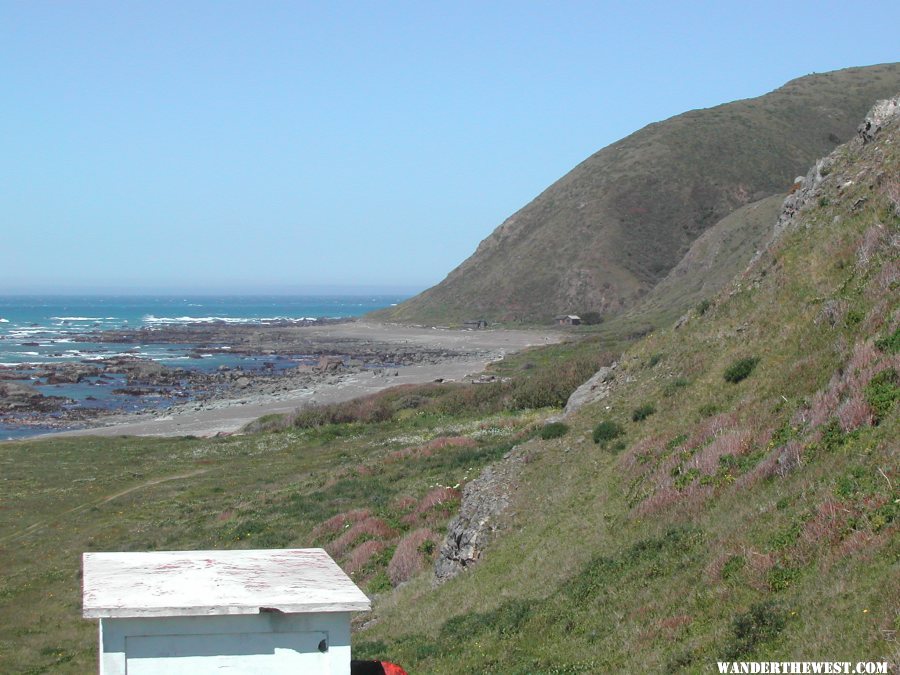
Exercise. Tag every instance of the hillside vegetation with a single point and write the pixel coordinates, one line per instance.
(750, 507)
(608, 231)
(735, 495)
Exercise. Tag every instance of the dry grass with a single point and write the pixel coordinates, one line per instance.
(339, 522)
(360, 556)
(368, 527)
(409, 557)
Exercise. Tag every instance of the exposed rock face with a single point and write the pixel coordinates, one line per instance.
(881, 113)
(483, 500)
(596, 388)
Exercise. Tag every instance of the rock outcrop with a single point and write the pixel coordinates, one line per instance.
(878, 116)
(595, 389)
(483, 500)
(809, 190)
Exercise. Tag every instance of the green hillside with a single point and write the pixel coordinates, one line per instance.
(608, 231)
(742, 500)
(751, 506)
(712, 261)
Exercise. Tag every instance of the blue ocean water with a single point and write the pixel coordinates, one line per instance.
(38, 330)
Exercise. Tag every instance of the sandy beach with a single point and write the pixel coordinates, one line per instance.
(473, 349)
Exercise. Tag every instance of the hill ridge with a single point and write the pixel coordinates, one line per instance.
(603, 235)
(743, 499)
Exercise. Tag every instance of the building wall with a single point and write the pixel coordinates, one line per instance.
(195, 645)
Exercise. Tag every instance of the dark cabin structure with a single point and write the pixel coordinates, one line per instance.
(567, 320)
(475, 324)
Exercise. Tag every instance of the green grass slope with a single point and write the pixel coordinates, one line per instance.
(712, 261)
(751, 507)
(604, 234)
(375, 481)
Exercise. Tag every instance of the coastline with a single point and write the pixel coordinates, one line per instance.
(468, 354)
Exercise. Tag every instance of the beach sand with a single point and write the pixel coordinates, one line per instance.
(228, 416)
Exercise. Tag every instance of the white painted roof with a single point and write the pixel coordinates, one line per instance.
(204, 583)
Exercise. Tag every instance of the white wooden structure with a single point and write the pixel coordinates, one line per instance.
(197, 612)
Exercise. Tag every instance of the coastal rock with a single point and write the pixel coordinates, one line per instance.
(18, 398)
(330, 363)
(144, 371)
(71, 373)
(18, 390)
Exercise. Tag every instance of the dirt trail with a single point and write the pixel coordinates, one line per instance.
(36, 527)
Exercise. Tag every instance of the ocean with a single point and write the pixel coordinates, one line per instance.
(38, 330)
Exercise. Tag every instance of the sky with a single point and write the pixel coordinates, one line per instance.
(291, 146)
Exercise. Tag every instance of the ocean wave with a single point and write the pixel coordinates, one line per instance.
(115, 355)
(161, 320)
(4, 320)
(76, 318)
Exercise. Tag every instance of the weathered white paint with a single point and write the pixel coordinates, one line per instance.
(278, 611)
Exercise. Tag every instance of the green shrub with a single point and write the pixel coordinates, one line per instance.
(380, 583)
(882, 392)
(833, 436)
(618, 447)
(553, 430)
(732, 567)
(654, 359)
(740, 369)
(672, 387)
(709, 409)
(781, 577)
(855, 317)
(642, 412)
(703, 307)
(591, 318)
(685, 478)
(607, 431)
(889, 343)
(758, 625)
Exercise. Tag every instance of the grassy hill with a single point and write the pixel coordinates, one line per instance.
(751, 505)
(712, 261)
(748, 507)
(608, 231)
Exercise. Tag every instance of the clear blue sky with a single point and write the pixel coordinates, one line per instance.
(270, 146)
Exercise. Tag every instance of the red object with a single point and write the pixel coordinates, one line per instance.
(375, 668)
(392, 669)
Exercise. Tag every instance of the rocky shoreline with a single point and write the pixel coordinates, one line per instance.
(290, 363)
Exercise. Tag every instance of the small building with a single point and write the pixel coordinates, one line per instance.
(567, 320)
(475, 324)
(198, 612)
